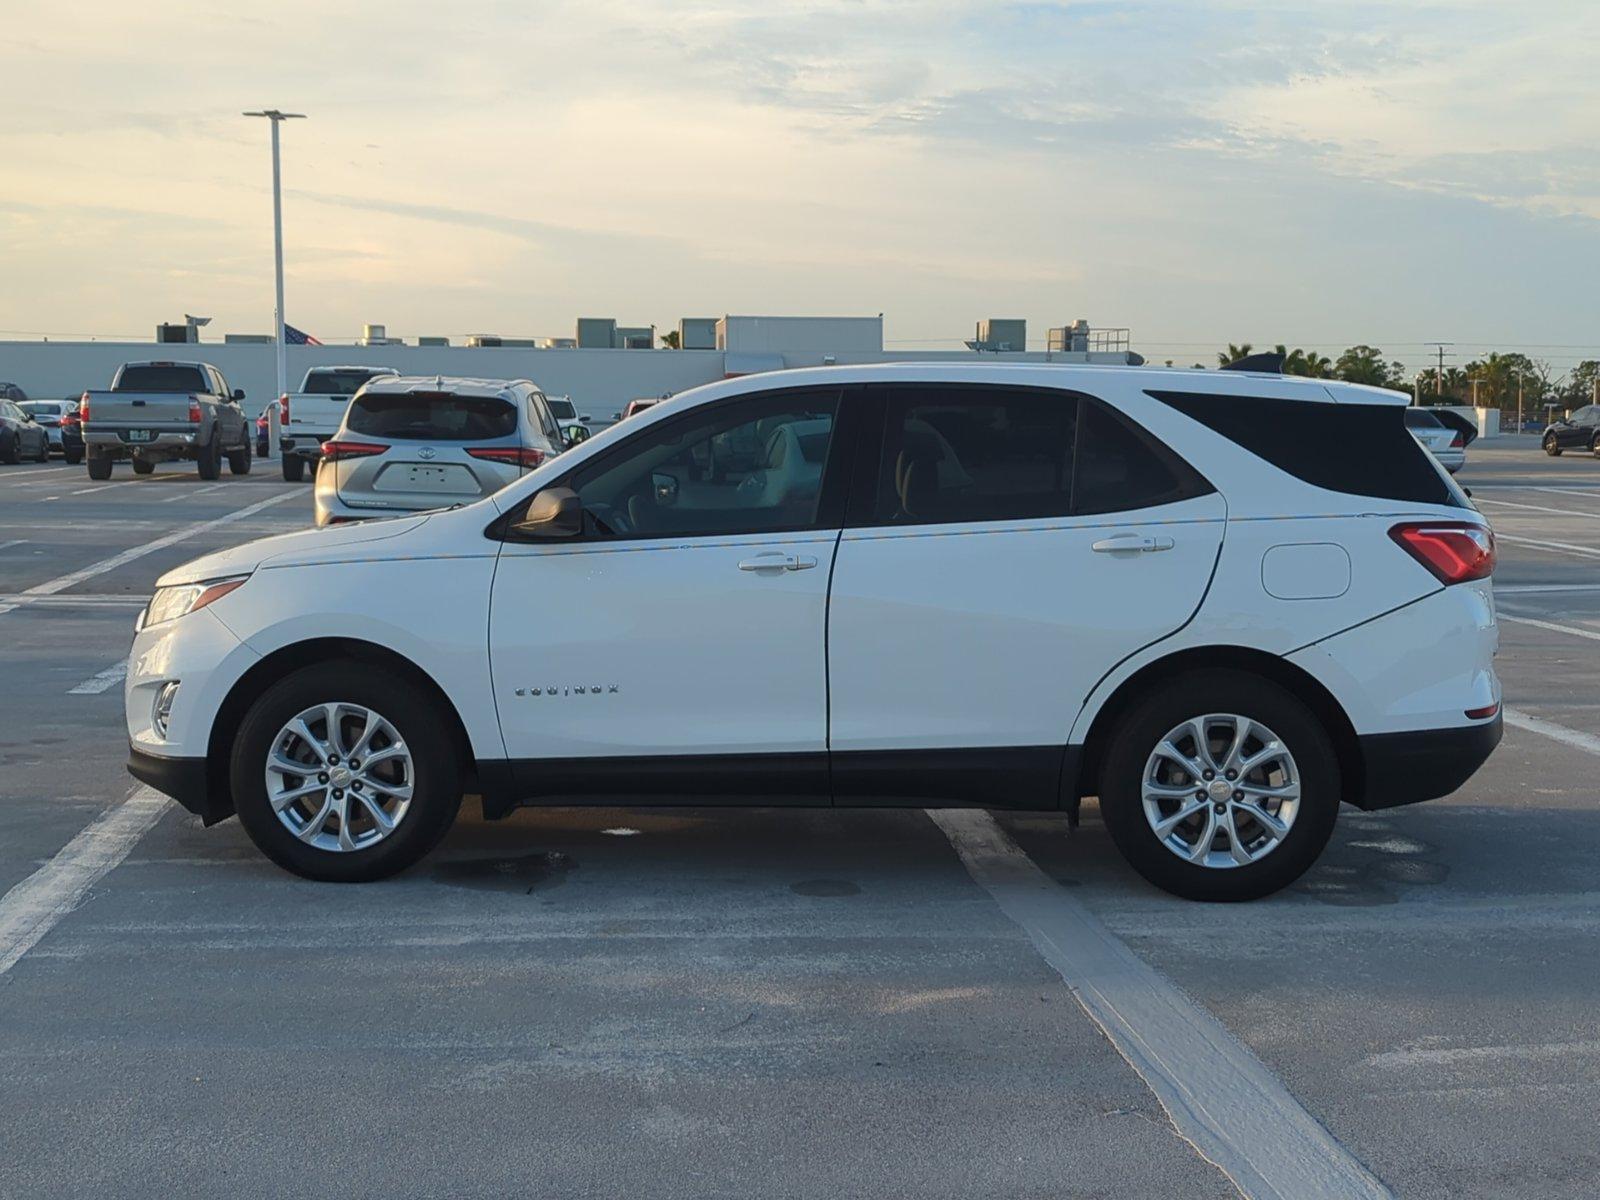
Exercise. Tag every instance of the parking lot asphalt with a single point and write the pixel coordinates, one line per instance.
(688, 1002)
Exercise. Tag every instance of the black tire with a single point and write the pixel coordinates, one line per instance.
(1552, 445)
(143, 466)
(73, 457)
(435, 778)
(209, 459)
(8, 448)
(44, 451)
(99, 466)
(1196, 695)
(294, 468)
(239, 460)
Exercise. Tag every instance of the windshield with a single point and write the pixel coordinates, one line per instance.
(158, 377)
(561, 408)
(339, 383)
(42, 408)
(431, 416)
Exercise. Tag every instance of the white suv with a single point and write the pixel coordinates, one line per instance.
(1220, 602)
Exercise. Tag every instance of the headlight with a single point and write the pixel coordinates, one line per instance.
(170, 603)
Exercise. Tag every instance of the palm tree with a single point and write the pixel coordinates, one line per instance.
(669, 339)
(1317, 366)
(1232, 354)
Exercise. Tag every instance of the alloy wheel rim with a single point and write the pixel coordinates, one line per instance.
(1221, 791)
(339, 776)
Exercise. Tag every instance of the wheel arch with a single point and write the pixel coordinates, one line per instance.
(1324, 706)
(285, 661)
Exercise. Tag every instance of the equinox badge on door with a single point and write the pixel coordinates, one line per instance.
(591, 690)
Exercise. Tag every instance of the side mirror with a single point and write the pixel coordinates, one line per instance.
(554, 513)
(238, 394)
(584, 419)
(666, 489)
(28, 417)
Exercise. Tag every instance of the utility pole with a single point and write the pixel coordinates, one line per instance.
(1438, 375)
(277, 118)
(1519, 401)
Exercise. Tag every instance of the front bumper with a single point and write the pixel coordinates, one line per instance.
(186, 780)
(1423, 764)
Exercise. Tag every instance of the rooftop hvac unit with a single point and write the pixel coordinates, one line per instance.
(1001, 334)
(177, 333)
(480, 341)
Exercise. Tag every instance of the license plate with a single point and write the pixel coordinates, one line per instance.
(139, 435)
(426, 475)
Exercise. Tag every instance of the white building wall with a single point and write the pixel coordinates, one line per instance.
(600, 382)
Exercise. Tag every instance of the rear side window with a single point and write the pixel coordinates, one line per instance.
(1357, 449)
(337, 383)
(953, 454)
(156, 378)
(1416, 418)
(431, 416)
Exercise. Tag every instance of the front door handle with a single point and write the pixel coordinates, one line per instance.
(1131, 542)
(778, 561)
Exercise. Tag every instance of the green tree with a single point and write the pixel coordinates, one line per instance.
(1579, 387)
(1304, 362)
(669, 339)
(1232, 354)
(1366, 364)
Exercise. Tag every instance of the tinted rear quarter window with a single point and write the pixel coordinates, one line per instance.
(431, 416)
(562, 409)
(1357, 449)
(1417, 419)
(162, 379)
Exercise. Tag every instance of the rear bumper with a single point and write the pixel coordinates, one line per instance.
(1406, 768)
(112, 441)
(186, 780)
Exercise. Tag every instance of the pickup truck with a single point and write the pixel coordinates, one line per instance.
(158, 411)
(312, 415)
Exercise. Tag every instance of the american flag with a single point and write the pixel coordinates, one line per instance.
(297, 337)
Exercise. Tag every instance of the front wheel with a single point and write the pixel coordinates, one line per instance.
(209, 459)
(99, 465)
(1552, 445)
(344, 772)
(1221, 785)
(73, 457)
(44, 451)
(8, 448)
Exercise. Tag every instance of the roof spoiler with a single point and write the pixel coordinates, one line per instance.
(1269, 362)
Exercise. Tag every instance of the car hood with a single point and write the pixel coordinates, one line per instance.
(307, 547)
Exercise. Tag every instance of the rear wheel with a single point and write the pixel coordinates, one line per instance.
(239, 460)
(44, 450)
(8, 448)
(73, 455)
(209, 460)
(1552, 445)
(1220, 785)
(294, 468)
(142, 466)
(99, 466)
(344, 772)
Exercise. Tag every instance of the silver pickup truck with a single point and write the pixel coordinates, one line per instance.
(158, 411)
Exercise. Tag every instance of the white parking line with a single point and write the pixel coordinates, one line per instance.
(1518, 589)
(13, 542)
(212, 488)
(1574, 630)
(99, 487)
(63, 582)
(1553, 547)
(1560, 733)
(77, 600)
(1218, 1095)
(105, 680)
(32, 908)
(1566, 512)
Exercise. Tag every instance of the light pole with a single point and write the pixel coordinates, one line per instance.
(277, 118)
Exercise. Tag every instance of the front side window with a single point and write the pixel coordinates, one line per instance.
(749, 466)
(974, 453)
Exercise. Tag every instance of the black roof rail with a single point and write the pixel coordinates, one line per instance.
(1268, 362)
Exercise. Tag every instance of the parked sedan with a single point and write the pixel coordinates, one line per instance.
(408, 444)
(21, 436)
(1580, 431)
(59, 420)
(1445, 443)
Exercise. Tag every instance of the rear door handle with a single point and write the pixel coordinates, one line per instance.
(778, 561)
(1131, 543)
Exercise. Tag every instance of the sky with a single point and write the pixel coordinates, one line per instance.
(1202, 172)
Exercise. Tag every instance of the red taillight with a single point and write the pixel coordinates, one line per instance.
(194, 410)
(83, 407)
(332, 450)
(1454, 551)
(283, 409)
(1459, 442)
(70, 417)
(520, 456)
